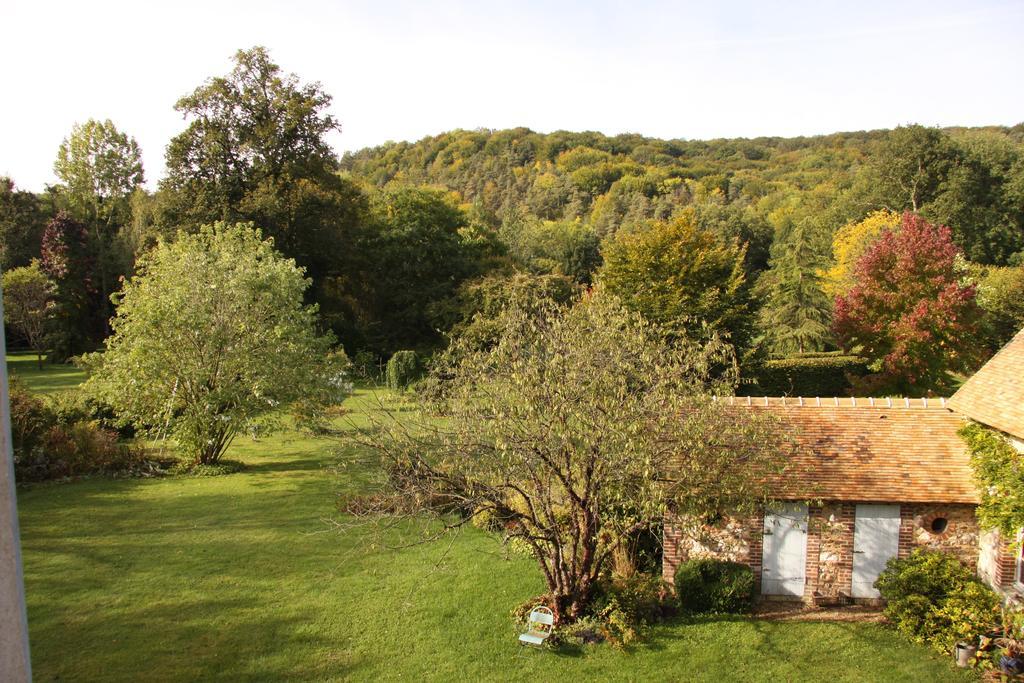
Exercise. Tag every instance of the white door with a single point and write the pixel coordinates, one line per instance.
(785, 550)
(876, 540)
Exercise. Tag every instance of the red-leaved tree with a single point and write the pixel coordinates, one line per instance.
(908, 312)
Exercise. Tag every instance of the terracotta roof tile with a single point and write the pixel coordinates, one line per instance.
(872, 453)
(995, 394)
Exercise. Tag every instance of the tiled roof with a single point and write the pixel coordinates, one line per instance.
(995, 394)
(861, 452)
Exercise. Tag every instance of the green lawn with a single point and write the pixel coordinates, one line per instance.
(239, 577)
(52, 378)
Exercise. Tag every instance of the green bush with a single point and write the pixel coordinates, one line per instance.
(402, 370)
(50, 441)
(964, 615)
(933, 598)
(626, 606)
(710, 586)
(812, 374)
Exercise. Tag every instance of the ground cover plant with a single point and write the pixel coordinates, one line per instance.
(237, 577)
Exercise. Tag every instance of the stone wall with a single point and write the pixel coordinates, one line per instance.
(729, 538)
(833, 524)
(961, 536)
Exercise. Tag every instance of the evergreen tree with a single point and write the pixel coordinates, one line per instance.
(797, 314)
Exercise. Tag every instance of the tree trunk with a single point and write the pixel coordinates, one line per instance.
(218, 443)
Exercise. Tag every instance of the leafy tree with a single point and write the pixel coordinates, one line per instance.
(567, 248)
(909, 313)
(22, 219)
(964, 183)
(481, 303)
(681, 277)
(849, 244)
(796, 315)
(100, 167)
(1001, 297)
(579, 428)
(414, 254)
(68, 261)
(740, 224)
(256, 150)
(910, 165)
(211, 338)
(28, 305)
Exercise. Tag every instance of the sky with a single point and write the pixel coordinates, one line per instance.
(405, 70)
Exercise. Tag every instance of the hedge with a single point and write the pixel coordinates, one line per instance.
(812, 374)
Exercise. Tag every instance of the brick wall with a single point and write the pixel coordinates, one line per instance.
(997, 564)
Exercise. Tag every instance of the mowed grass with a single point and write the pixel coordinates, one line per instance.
(51, 379)
(241, 577)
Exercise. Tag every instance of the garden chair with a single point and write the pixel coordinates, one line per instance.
(538, 627)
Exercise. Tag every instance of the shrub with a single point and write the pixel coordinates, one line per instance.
(813, 374)
(53, 440)
(933, 598)
(707, 586)
(402, 370)
(964, 615)
(627, 605)
(621, 611)
(78, 406)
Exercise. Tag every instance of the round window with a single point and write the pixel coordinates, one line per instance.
(939, 525)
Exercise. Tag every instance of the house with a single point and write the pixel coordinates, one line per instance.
(868, 480)
(994, 397)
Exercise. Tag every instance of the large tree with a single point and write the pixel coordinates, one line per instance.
(413, 253)
(23, 217)
(256, 149)
(681, 277)
(100, 167)
(28, 305)
(964, 182)
(580, 427)
(848, 245)
(66, 258)
(909, 312)
(212, 338)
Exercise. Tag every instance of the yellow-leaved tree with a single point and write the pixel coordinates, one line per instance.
(850, 243)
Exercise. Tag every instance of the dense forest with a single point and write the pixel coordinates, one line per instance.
(771, 243)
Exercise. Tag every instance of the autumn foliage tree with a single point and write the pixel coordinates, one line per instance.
(681, 277)
(908, 311)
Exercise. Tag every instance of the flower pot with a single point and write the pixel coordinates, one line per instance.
(964, 653)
